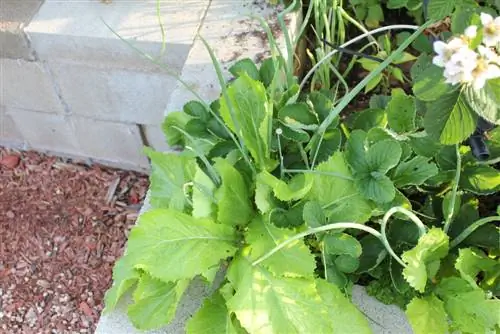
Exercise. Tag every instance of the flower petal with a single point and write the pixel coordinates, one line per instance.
(439, 47)
(486, 19)
(471, 32)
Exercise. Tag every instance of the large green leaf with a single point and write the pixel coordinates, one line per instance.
(431, 248)
(401, 111)
(245, 65)
(429, 81)
(469, 309)
(486, 101)
(450, 119)
(438, 9)
(203, 195)
(175, 119)
(213, 317)
(422, 144)
(373, 253)
(471, 262)
(370, 118)
(264, 303)
(298, 115)
(233, 198)
(480, 179)
(344, 316)
(155, 302)
(248, 113)
(427, 315)
(124, 277)
(330, 144)
(334, 189)
(355, 151)
(313, 214)
(263, 197)
(296, 189)
(170, 172)
(171, 245)
(295, 260)
(414, 172)
(383, 156)
(342, 244)
(376, 187)
(371, 164)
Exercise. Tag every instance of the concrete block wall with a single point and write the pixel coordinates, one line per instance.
(70, 86)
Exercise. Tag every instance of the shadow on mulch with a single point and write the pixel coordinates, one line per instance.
(62, 226)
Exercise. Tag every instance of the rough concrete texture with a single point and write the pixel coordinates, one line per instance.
(9, 133)
(46, 132)
(383, 319)
(14, 16)
(113, 94)
(110, 141)
(232, 34)
(115, 144)
(28, 85)
(58, 33)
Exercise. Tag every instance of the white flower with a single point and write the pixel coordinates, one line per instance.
(460, 66)
(470, 32)
(446, 50)
(491, 31)
(487, 67)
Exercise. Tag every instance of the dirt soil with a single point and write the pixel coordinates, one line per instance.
(62, 226)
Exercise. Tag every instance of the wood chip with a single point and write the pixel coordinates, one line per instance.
(62, 240)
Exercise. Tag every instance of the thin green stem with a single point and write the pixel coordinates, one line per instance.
(421, 226)
(329, 227)
(211, 170)
(474, 226)
(383, 228)
(451, 206)
(282, 166)
(225, 95)
(162, 28)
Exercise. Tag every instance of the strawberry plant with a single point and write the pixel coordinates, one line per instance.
(292, 205)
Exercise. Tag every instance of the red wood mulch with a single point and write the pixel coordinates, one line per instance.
(62, 226)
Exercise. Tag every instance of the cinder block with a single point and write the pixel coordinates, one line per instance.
(156, 138)
(9, 133)
(14, 16)
(42, 131)
(77, 30)
(111, 142)
(28, 85)
(113, 94)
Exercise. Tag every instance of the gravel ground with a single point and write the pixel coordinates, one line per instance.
(62, 226)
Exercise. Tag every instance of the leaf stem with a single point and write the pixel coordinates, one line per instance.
(451, 207)
(329, 227)
(474, 226)
(383, 227)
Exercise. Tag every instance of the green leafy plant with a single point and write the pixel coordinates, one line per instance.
(281, 206)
